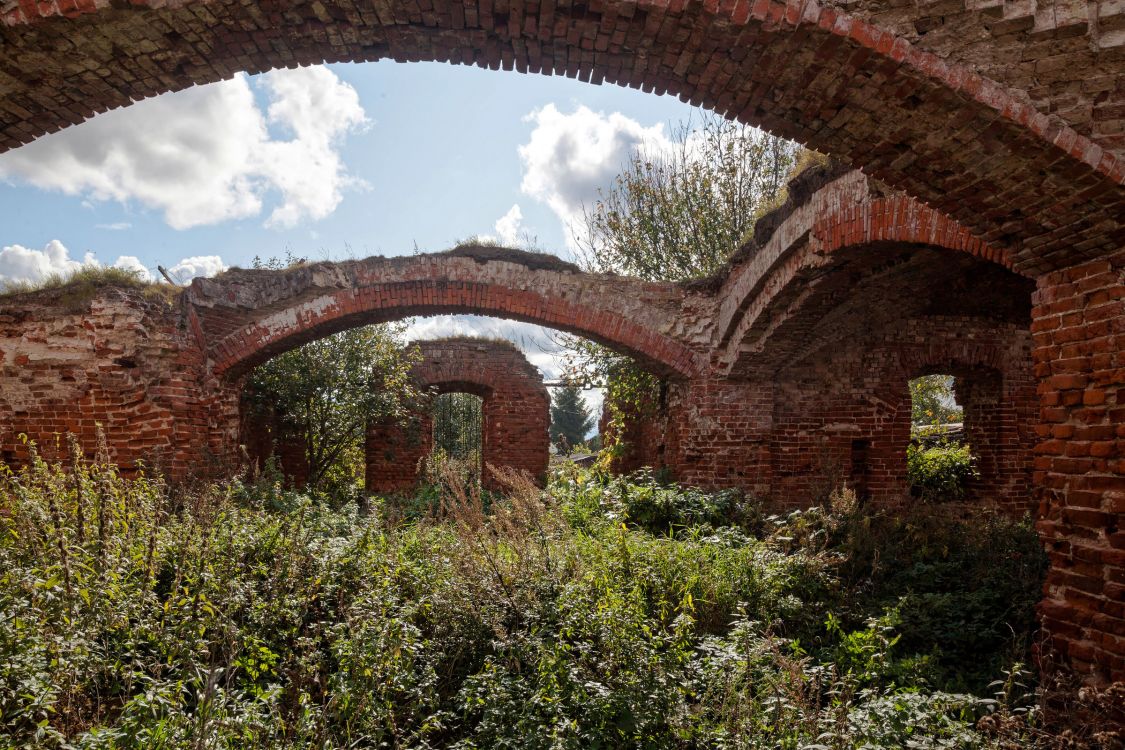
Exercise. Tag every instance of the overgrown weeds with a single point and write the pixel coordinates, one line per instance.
(601, 613)
(77, 288)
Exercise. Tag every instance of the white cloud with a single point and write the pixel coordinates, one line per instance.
(570, 156)
(133, 263)
(21, 264)
(509, 226)
(117, 226)
(198, 265)
(206, 155)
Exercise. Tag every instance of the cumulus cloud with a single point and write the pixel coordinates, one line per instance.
(24, 264)
(206, 155)
(131, 263)
(509, 226)
(19, 264)
(197, 265)
(570, 156)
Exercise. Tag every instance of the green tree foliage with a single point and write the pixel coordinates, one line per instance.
(940, 472)
(457, 425)
(669, 216)
(679, 214)
(324, 392)
(932, 401)
(570, 416)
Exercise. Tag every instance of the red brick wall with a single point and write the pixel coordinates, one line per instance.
(71, 361)
(1079, 336)
(845, 416)
(515, 412)
(920, 120)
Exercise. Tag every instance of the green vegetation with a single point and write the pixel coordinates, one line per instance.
(937, 468)
(323, 394)
(939, 472)
(672, 215)
(570, 417)
(457, 427)
(932, 401)
(604, 612)
(679, 213)
(77, 288)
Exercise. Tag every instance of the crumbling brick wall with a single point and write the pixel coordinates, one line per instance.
(77, 359)
(515, 413)
(844, 416)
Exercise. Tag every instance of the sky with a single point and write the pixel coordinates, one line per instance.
(328, 162)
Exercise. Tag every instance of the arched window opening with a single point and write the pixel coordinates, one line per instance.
(305, 412)
(457, 433)
(940, 464)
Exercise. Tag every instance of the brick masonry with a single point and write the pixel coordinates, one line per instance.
(515, 413)
(924, 117)
(784, 374)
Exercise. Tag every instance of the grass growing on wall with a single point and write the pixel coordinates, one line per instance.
(77, 288)
(603, 613)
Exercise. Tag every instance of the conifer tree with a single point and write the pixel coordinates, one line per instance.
(570, 417)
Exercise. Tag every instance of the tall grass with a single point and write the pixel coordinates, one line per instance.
(243, 615)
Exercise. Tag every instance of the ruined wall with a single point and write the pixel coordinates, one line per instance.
(515, 412)
(844, 415)
(75, 358)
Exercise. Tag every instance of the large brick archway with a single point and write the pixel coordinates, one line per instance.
(245, 317)
(515, 413)
(961, 142)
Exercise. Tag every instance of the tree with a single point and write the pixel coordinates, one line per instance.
(457, 425)
(323, 394)
(673, 215)
(570, 418)
(679, 213)
(932, 401)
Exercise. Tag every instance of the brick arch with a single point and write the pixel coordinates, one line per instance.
(243, 317)
(818, 256)
(941, 132)
(515, 412)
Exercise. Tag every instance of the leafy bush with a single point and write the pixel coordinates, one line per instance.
(243, 615)
(940, 472)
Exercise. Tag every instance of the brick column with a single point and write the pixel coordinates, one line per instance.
(1079, 336)
(393, 452)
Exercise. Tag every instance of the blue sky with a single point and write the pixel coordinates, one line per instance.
(439, 156)
(326, 163)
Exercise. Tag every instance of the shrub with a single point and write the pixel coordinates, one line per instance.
(605, 613)
(940, 472)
